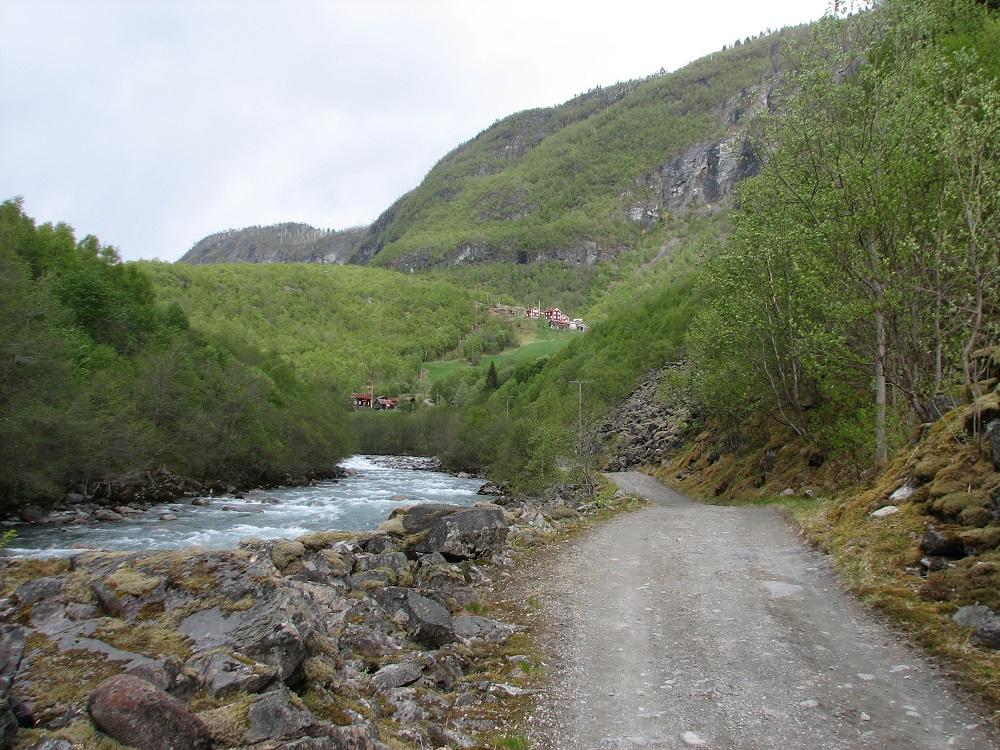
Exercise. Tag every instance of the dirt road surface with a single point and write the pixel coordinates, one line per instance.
(686, 625)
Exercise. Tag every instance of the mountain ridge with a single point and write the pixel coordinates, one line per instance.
(579, 182)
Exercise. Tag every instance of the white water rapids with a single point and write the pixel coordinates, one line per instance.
(356, 503)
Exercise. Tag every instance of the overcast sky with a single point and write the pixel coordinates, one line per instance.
(152, 123)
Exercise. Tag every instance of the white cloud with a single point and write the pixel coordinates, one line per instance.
(154, 124)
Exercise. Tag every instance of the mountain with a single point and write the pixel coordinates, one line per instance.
(578, 183)
(584, 181)
(280, 243)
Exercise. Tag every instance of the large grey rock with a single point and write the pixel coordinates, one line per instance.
(140, 715)
(276, 715)
(473, 626)
(396, 675)
(973, 615)
(220, 673)
(427, 621)
(456, 532)
(273, 631)
(12, 639)
(987, 634)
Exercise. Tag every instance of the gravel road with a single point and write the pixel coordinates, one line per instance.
(687, 625)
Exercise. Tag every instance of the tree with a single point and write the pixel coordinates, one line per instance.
(492, 381)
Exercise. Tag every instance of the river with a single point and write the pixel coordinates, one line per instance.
(356, 503)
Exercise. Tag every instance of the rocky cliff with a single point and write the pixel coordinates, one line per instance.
(280, 243)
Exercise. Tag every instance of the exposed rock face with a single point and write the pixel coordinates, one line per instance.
(645, 426)
(281, 243)
(140, 715)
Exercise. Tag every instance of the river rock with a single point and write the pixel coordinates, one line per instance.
(492, 489)
(106, 514)
(457, 533)
(427, 621)
(140, 715)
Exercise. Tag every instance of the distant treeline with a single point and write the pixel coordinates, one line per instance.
(98, 380)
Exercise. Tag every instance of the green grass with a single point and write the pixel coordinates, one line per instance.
(541, 342)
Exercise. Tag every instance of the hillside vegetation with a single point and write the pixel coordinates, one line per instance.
(99, 380)
(584, 180)
(340, 325)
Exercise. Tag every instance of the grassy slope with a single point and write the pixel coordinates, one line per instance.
(534, 342)
(573, 185)
(334, 323)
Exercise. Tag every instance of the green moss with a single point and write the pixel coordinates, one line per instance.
(954, 504)
(285, 551)
(981, 539)
(226, 723)
(127, 580)
(58, 679)
(322, 539)
(81, 733)
(16, 572)
(147, 638)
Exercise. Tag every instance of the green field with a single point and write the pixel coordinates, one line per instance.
(540, 342)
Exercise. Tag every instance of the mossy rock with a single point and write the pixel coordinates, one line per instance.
(954, 504)
(126, 580)
(928, 467)
(977, 580)
(323, 539)
(338, 564)
(981, 540)
(228, 724)
(286, 551)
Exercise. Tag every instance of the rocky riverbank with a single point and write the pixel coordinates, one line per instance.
(333, 640)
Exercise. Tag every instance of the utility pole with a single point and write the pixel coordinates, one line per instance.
(580, 384)
(507, 398)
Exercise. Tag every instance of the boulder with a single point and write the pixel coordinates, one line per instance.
(973, 615)
(278, 715)
(396, 675)
(221, 674)
(32, 514)
(473, 626)
(106, 514)
(427, 621)
(457, 533)
(141, 715)
(8, 725)
(936, 543)
(987, 634)
(491, 489)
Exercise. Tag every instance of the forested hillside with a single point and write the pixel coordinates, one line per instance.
(583, 181)
(98, 379)
(339, 325)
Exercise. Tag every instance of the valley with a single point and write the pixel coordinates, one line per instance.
(743, 489)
